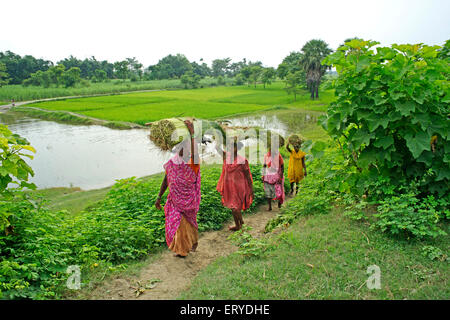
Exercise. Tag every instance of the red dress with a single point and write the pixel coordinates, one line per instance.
(233, 184)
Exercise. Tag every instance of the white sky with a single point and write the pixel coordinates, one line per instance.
(257, 30)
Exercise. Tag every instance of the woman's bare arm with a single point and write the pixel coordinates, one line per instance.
(162, 190)
(287, 148)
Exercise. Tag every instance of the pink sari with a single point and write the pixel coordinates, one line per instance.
(273, 174)
(184, 195)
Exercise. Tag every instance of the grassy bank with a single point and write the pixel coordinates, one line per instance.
(207, 103)
(326, 257)
(71, 118)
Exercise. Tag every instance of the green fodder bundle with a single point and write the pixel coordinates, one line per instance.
(167, 133)
(296, 140)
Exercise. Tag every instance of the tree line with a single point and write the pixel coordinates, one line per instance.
(300, 69)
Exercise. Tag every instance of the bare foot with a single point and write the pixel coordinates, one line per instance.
(235, 228)
(194, 247)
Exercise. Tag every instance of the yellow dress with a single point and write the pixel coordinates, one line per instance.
(295, 170)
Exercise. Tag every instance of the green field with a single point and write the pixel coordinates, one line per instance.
(22, 93)
(207, 103)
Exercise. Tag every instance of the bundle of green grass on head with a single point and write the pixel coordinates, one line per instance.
(167, 133)
(296, 140)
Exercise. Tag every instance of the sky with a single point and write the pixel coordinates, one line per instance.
(256, 30)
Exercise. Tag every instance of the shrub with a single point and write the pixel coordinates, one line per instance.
(407, 215)
(391, 112)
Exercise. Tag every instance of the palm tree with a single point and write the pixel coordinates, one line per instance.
(313, 53)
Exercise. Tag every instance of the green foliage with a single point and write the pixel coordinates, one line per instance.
(249, 246)
(122, 227)
(4, 77)
(434, 253)
(293, 83)
(407, 215)
(13, 170)
(390, 116)
(190, 79)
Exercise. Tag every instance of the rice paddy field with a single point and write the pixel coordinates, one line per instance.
(23, 93)
(206, 103)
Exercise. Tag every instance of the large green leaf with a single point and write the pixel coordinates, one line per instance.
(384, 142)
(405, 107)
(418, 143)
(375, 120)
(361, 137)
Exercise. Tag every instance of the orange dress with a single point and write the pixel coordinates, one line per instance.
(233, 185)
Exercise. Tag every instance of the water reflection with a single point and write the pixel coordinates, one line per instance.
(88, 157)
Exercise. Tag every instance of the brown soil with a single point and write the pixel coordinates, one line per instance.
(174, 274)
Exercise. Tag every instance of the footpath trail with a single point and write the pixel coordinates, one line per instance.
(173, 274)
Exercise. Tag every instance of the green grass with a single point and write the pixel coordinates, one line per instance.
(326, 257)
(74, 200)
(21, 93)
(207, 103)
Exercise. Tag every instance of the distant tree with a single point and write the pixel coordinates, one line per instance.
(220, 67)
(293, 82)
(268, 75)
(4, 77)
(169, 67)
(134, 67)
(255, 74)
(191, 79)
(245, 73)
(121, 69)
(239, 79)
(201, 70)
(314, 51)
(100, 75)
(282, 70)
(220, 80)
(71, 77)
(20, 68)
(55, 74)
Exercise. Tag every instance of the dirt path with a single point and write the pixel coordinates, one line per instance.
(175, 274)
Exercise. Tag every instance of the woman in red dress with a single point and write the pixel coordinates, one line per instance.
(235, 184)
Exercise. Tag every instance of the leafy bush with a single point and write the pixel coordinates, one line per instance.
(407, 215)
(434, 253)
(391, 112)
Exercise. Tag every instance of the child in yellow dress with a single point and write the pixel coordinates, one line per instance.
(297, 166)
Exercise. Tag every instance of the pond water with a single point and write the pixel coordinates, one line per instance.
(92, 157)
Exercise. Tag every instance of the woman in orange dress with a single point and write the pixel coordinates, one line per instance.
(235, 184)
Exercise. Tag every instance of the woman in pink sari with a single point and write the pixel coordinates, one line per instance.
(235, 184)
(273, 178)
(183, 180)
